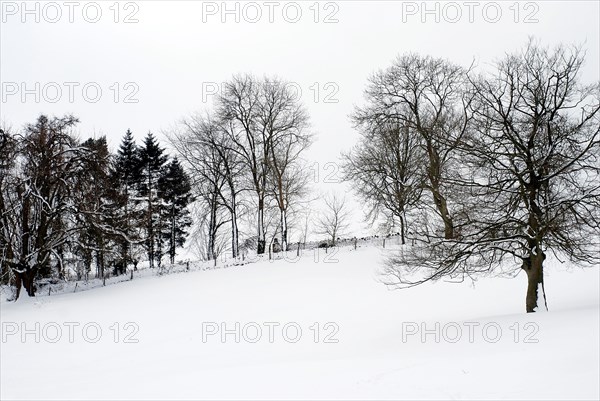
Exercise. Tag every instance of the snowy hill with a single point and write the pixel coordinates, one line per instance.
(308, 329)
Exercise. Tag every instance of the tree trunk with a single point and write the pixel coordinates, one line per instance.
(25, 277)
(442, 207)
(212, 230)
(284, 230)
(125, 254)
(535, 280)
(261, 229)
(234, 231)
(402, 229)
(150, 239)
(100, 263)
(172, 237)
(434, 175)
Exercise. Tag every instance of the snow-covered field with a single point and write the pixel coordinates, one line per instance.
(162, 337)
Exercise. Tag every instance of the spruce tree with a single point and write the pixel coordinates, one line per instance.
(126, 175)
(175, 193)
(151, 159)
(96, 202)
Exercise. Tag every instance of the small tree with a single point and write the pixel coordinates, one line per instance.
(386, 170)
(334, 219)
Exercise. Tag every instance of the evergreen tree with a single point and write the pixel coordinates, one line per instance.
(126, 173)
(151, 159)
(175, 193)
(96, 205)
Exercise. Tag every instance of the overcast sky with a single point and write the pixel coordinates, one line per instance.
(171, 56)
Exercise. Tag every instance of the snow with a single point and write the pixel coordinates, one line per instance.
(386, 340)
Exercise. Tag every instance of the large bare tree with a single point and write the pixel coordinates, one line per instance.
(35, 199)
(268, 128)
(286, 123)
(534, 175)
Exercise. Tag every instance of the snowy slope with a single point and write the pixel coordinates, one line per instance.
(502, 353)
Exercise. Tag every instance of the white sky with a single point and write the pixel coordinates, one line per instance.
(175, 49)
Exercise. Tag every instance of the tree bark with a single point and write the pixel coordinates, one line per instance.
(25, 277)
(234, 235)
(261, 229)
(402, 229)
(284, 230)
(442, 206)
(535, 280)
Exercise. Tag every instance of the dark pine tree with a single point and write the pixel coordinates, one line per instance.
(175, 193)
(151, 160)
(126, 175)
(97, 201)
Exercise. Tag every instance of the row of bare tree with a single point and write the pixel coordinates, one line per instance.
(480, 166)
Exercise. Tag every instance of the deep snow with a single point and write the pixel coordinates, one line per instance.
(379, 352)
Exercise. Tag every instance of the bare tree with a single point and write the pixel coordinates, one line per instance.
(267, 126)
(534, 179)
(206, 135)
(198, 145)
(206, 240)
(286, 123)
(334, 219)
(8, 182)
(386, 170)
(239, 105)
(35, 200)
(426, 96)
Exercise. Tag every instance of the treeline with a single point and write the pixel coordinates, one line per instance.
(480, 166)
(67, 206)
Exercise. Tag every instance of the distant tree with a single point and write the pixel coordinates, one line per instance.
(126, 175)
(334, 219)
(175, 192)
(205, 144)
(386, 168)
(239, 105)
(151, 160)
(96, 200)
(267, 125)
(427, 96)
(215, 172)
(285, 122)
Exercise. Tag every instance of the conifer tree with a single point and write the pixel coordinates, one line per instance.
(175, 192)
(151, 160)
(126, 174)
